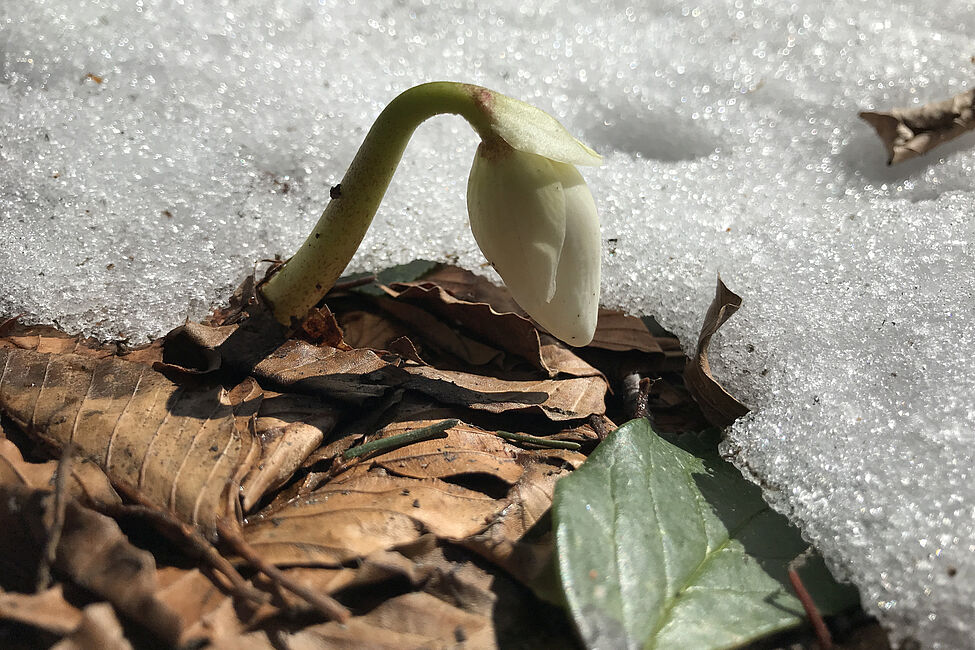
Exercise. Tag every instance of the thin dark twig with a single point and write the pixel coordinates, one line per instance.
(598, 425)
(192, 540)
(438, 430)
(823, 636)
(328, 606)
(540, 442)
(50, 551)
(643, 397)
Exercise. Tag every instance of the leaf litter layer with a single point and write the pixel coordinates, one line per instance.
(383, 478)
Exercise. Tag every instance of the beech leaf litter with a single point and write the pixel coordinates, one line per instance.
(911, 132)
(383, 477)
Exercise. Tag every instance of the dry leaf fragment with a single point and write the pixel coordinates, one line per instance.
(911, 132)
(618, 332)
(99, 630)
(47, 610)
(719, 407)
(506, 540)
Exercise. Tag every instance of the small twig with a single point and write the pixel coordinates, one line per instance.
(50, 551)
(438, 430)
(812, 612)
(190, 537)
(328, 606)
(598, 425)
(540, 442)
(641, 406)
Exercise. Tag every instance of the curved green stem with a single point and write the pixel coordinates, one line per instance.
(310, 273)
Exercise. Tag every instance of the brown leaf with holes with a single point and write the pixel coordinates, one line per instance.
(911, 132)
(717, 404)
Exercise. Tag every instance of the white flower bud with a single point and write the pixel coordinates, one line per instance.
(535, 221)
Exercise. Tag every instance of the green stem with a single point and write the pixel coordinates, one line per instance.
(310, 273)
(438, 430)
(540, 442)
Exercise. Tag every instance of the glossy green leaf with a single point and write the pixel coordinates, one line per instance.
(662, 548)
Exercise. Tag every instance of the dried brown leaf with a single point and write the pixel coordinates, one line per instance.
(364, 329)
(911, 132)
(92, 552)
(290, 427)
(557, 399)
(349, 519)
(464, 285)
(437, 334)
(465, 450)
(47, 610)
(507, 541)
(618, 332)
(206, 613)
(360, 374)
(87, 482)
(181, 450)
(99, 630)
(719, 406)
(502, 330)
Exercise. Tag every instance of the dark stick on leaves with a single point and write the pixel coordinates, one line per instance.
(324, 603)
(812, 612)
(57, 520)
(191, 538)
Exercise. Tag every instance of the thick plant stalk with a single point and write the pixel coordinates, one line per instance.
(337, 235)
(911, 132)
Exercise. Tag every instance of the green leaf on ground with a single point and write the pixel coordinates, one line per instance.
(664, 547)
(409, 272)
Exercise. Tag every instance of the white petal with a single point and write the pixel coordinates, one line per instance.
(532, 130)
(571, 314)
(517, 212)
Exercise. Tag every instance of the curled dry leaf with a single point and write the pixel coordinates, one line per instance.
(618, 332)
(361, 374)
(911, 132)
(502, 330)
(718, 405)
